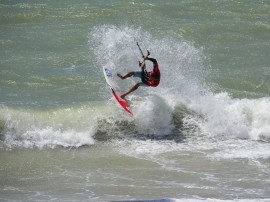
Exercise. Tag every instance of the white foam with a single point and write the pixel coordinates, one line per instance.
(48, 138)
(63, 127)
(153, 115)
(242, 118)
(183, 71)
(240, 149)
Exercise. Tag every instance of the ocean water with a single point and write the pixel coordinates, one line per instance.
(202, 135)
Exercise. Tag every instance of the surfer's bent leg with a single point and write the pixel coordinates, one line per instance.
(130, 90)
(126, 76)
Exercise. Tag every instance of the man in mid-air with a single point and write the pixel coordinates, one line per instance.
(151, 78)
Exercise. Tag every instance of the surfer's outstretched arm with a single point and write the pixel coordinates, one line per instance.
(151, 59)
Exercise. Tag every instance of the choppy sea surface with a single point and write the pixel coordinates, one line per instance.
(202, 135)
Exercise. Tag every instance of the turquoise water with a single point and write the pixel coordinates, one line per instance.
(203, 134)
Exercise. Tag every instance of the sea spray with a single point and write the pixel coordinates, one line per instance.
(184, 70)
(153, 116)
(181, 66)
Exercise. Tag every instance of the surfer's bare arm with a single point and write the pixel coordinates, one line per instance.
(151, 59)
(142, 65)
(143, 68)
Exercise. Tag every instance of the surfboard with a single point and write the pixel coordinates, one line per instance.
(110, 79)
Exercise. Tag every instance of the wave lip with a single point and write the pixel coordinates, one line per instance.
(48, 138)
(45, 129)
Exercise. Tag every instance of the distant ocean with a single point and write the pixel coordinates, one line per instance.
(202, 135)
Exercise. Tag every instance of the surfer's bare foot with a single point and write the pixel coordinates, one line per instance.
(123, 96)
(120, 76)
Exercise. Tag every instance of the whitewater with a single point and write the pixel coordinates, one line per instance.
(202, 135)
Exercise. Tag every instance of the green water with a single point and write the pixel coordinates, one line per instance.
(202, 134)
(42, 42)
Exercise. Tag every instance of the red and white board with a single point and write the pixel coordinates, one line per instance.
(115, 89)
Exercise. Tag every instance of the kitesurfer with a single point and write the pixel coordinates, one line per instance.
(151, 78)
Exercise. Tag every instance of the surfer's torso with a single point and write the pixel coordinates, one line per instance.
(152, 78)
